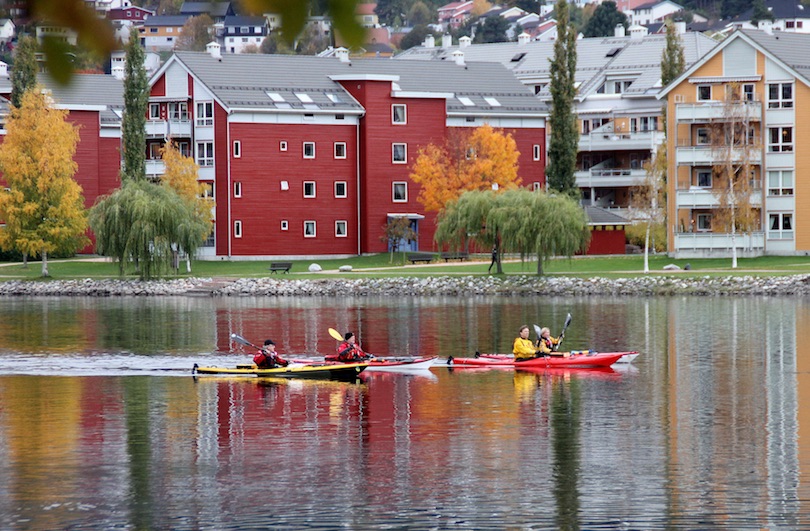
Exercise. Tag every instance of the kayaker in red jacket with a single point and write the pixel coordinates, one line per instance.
(267, 358)
(349, 350)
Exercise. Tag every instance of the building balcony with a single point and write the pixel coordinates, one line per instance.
(708, 198)
(718, 111)
(156, 128)
(609, 140)
(168, 128)
(712, 242)
(155, 168)
(599, 177)
(706, 155)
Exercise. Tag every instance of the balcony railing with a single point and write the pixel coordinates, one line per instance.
(707, 155)
(610, 140)
(708, 198)
(609, 177)
(166, 129)
(711, 241)
(155, 167)
(714, 111)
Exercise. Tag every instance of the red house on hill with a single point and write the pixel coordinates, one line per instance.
(309, 156)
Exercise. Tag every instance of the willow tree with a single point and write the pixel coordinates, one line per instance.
(474, 159)
(42, 207)
(465, 219)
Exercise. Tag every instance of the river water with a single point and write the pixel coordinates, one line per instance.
(102, 425)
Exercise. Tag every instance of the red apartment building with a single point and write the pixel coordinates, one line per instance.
(310, 156)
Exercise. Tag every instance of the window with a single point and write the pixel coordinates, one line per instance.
(154, 151)
(780, 95)
(309, 229)
(780, 182)
(536, 152)
(205, 154)
(178, 111)
(704, 92)
(400, 192)
(285, 225)
(399, 114)
(237, 229)
(704, 178)
(780, 139)
(309, 150)
(154, 111)
(309, 188)
(340, 189)
(702, 136)
(237, 149)
(536, 186)
(780, 226)
(340, 229)
(205, 113)
(237, 189)
(340, 150)
(748, 92)
(399, 153)
(207, 190)
(704, 222)
(184, 148)
(282, 146)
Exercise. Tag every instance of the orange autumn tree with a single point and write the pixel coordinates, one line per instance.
(469, 160)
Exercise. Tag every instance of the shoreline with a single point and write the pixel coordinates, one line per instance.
(440, 285)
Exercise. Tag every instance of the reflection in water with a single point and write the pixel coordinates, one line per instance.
(705, 431)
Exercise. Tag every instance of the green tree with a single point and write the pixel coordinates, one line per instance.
(673, 62)
(273, 43)
(197, 32)
(564, 137)
(389, 10)
(419, 14)
(464, 221)
(24, 71)
(415, 37)
(492, 29)
(169, 7)
(133, 124)
(604, 20)
(760, 12)
(42, 207)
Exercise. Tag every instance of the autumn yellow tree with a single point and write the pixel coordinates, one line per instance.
(181, 177)
(42, 207)
(469, 160)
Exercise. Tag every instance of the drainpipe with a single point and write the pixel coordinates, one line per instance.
(357, 171)
(228, 191)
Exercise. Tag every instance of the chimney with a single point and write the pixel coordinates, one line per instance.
(458, 57)
(637, 32)
(429, 41)
(766, 26)
(619, 30)
(524, 38)
(342, 54)
(447, 40)
(214, 49)
(463, 42)
(117, 72)
(680, 27)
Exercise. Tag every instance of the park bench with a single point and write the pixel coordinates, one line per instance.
(280, 266)
(419, 257)
(460, 255)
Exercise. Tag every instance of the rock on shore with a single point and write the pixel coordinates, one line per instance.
(422, 286)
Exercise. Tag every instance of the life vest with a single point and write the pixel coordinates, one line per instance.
(265, 360)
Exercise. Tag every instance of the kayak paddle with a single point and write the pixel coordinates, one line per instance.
(241, 340)
(335, 334)
(562, 334)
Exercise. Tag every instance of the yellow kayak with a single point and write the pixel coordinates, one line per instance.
(346, 371)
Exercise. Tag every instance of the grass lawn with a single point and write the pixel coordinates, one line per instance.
(379, 266)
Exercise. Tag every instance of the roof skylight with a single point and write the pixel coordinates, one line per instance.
(492, 101)
(275, 96)
(304, 98)
(467, 102)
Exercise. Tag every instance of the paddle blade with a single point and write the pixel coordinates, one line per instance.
(335, 334)
(240, 339)
(538, 330)
(567, 322)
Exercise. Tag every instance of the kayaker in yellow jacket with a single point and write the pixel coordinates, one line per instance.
(524, 349)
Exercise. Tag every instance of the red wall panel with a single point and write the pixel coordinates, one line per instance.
(607, 242)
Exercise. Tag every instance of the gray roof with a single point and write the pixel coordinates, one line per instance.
(637, 58)
(780, 9)
(213, 8)
(240, 20)
(166, 20)
(243, 81)
(791, 48)
(89, 89)
(600, 216)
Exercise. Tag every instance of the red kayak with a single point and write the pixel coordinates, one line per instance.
(584, 360)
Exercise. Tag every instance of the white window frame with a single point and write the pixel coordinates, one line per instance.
(707, 137)
(304, 148)
(237, 229)
(152, 108)
(342, 145)
(780, 232)
(345, 189)
(237, 189)
(202, 117)
(698, 174)
(313, 192)
(237, 149)
(780, 102)
(704, 223)
(207, 159)
(778, 186)
(394, 186)
(282, 146)
(536, 187)
(310, 222)
(536, 152)
(345, 225)
(404, 108)
(780, 145)
(404, 147)
(698, 96)
(285, 225)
